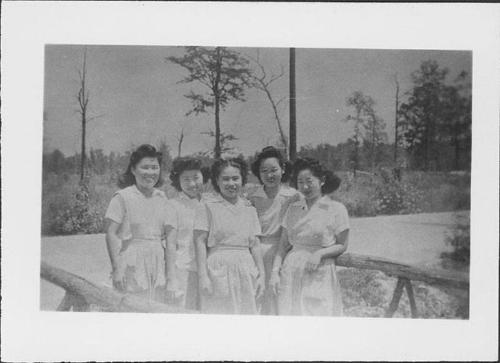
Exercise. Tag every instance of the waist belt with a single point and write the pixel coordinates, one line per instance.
(228, 248)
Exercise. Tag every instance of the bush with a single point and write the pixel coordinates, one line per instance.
(397, 197)
(79, 217)
(459, 239)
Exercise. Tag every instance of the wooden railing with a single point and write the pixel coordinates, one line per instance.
(81, 294)
(405, 274)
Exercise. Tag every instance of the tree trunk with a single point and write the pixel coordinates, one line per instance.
(83, 102)
(373, 144)
(293, 125)
(278, 121)
(426, 145)
(457, 145)
(396, 121)
(179, 145)
(217, 149)
(83, 156)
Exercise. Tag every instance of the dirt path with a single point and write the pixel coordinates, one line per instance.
(416, 239)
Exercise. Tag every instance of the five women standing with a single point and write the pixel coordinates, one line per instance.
(224, 253)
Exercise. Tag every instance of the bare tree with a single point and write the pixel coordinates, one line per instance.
(83, 102)
(396, 119)
(83, 97)
(293, 110)
(263, 82)
(180, 139)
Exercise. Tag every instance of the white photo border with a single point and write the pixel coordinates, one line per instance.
(30, 334)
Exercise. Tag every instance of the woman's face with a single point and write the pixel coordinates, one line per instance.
(147, 173)
(230, 182)
(191, 182)
(270, 172)
(308, 184)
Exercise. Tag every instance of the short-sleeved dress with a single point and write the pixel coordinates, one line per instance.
(232, 271)
(317, 292)
(142, 255)
(184, 212)
(270, 213)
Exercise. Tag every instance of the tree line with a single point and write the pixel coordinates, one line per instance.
(432, 119)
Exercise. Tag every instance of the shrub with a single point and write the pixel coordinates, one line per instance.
(458, 237)
(79, 217)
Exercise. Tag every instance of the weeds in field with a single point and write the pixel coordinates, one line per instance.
(368, 293)
(66, 209)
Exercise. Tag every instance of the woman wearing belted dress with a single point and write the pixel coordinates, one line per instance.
(135, 226)
(316, 230)
(271, 199)
(230, 267)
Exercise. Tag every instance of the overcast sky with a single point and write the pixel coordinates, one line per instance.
(136, 94)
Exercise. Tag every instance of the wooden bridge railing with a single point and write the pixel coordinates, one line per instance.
(80, 293)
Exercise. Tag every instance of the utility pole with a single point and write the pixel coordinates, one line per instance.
(293, 124)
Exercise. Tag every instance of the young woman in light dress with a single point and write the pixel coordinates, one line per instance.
(271, 199)
(187, 177)
(135, 223)
(316, 228)
(230, 267)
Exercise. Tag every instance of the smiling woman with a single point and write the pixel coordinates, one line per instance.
(230, 267)
(135, 223)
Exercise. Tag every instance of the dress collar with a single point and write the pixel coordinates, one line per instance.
(183, 197)
(322, 202)
(137, 191)
(220, 199)
(283, 191)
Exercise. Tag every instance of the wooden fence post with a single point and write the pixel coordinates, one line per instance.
(398, 291)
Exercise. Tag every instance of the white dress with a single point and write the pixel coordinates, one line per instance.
(270, 213)
(231, 268)
(142, 255)
(183, 213)
(317, 292)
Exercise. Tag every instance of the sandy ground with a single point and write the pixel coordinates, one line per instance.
(416, 239)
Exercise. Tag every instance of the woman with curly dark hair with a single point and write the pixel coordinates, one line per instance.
(187, 177)
(316, 230)
(230, 267)
(135, 224)
(271, 199)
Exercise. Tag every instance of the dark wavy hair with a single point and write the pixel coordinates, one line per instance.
(143, 151)
(181, 164)
(221, 164)
(272, 152)
(331, 181)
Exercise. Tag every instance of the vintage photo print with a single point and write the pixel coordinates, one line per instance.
(299, 187)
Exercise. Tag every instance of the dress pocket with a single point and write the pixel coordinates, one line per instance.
(315, 286)
(219, 279)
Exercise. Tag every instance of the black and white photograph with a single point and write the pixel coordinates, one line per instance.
(178, 180)
(206, 184)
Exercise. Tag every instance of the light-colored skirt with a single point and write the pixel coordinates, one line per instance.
(144, 265)
(186, 294)
(268, 304)
(308, 293)
(233, 275)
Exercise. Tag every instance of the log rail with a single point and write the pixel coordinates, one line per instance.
(81, 294)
